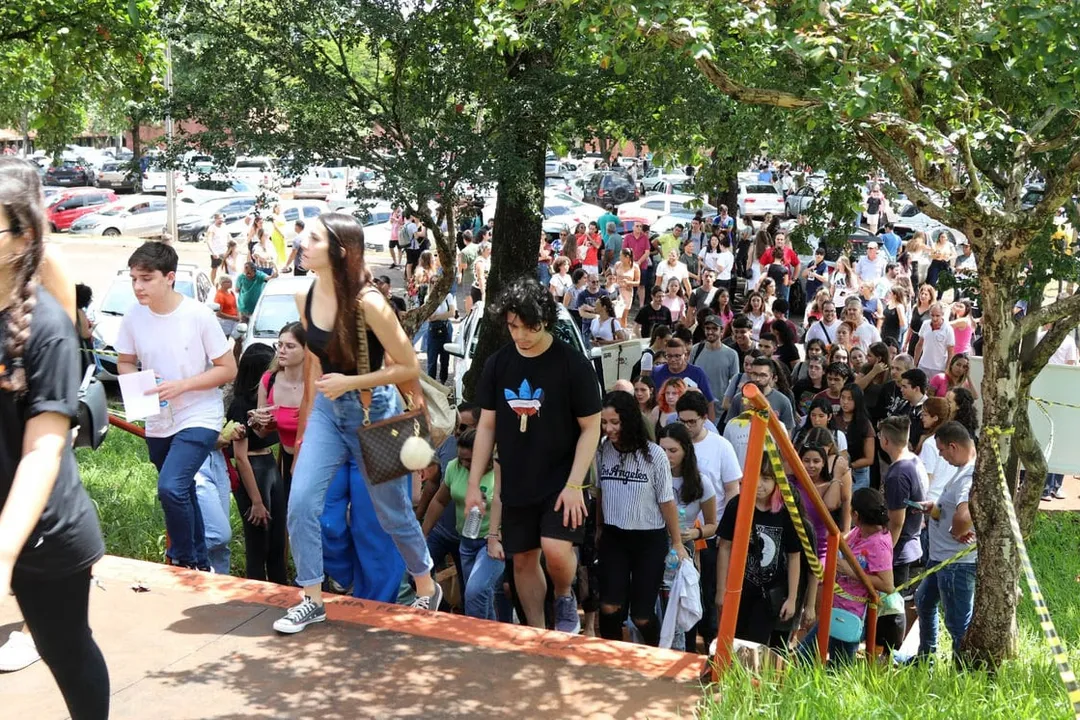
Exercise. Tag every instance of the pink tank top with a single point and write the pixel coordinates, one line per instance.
(963, 339)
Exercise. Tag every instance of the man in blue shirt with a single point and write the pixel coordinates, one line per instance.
(891, 241)
(677, 355)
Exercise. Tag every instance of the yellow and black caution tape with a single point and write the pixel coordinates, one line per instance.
(927, 573)
(1061, 659)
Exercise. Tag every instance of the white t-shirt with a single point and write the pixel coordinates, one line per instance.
(818, 330)
(936, 344)
(717, 460)
(177, 346)
(561, 284)
(938, 471)
(218, 239)
(725, 265)
(605, 329)
(1066, 354)
(870, 270)
(693, 510)
(866, 335)
(664, 271)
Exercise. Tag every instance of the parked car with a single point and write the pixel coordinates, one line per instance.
(193, 223)
(291, 210)
(377, 228)
(614, 186)
(758, 199)
(667, 184)
(911, 220)
(322, 182)
(276, 309)
(258, 170)
(799, 202)
(71, 173)
(116, 175)
(653, 207)
(138, 215)
(109, 309)
(70, 205)
(468, 333)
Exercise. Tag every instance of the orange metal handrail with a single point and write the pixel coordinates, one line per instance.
(125, 425)
(743, 526)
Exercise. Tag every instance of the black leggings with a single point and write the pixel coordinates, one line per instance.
(56, 611)
(264, 546)
(631, 573)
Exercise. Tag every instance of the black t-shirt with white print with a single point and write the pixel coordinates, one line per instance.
(537, 403)
(633, 485)
(67, 538)
(772, 539)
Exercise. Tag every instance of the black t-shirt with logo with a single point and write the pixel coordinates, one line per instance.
(67, 538)
(648, 317)
(537, 403)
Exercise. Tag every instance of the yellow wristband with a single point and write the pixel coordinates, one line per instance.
(579, 487)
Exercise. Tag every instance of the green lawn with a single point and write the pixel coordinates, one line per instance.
(123, 484)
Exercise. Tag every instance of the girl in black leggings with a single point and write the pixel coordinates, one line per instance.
(638, 520)
(49, 532)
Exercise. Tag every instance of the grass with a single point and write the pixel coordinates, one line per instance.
(1026, 687)
(123, 485)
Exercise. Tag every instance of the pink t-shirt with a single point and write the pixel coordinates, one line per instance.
(963, 338)
(939, 385)
(875, 554)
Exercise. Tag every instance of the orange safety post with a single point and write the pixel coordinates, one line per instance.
(828, 586)
(126, 426)
(757, 401)
(740, 544)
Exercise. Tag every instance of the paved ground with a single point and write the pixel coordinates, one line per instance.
(1071, 488)
(201, 646)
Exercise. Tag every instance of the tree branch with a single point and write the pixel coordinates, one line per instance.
(1061, 139)
(963, 144)
(1055, 311)
(898, 174)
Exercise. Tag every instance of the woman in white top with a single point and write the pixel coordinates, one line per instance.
(710, 255)
(561, 281)
(673, 299)
(755, 310)
(844, 280)
(605, 327)
(936, 412)
(637, 521)
(725, 264)
(918, 255)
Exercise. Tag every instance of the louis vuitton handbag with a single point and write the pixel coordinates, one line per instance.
(382, 442)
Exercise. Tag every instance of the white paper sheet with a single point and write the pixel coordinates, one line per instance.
(138, 405)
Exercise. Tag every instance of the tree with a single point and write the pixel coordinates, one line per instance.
(60, 61)
(959, 103)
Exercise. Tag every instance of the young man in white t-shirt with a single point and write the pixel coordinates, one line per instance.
(937, 342)
(180, 340)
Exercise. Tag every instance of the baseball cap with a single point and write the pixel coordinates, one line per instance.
(871, 246)
(713, 320)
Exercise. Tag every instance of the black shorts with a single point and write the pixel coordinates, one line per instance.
(215, 262)
(412, 257)
(631, 568)
(524, 525)
(394, 244)
(891, 629)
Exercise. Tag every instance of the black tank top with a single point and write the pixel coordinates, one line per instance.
(319, 340)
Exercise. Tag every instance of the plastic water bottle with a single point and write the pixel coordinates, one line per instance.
(683, 524)
(471, 528)
(165, 416)
(671, 567)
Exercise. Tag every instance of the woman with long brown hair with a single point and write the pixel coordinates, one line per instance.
(342, 288)
(49, 532)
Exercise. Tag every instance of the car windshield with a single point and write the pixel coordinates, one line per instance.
(564, 198)
(121, 296)
(761, 190)
(274, 313)
(114, 209)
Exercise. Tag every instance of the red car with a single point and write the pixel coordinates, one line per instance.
(68, 206)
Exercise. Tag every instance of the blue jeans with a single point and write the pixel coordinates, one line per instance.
(329, 441)
(860, 478)
(1053, 483)
(443, 540)
(482, 573)
(839, 651)
(954, 587)
(213, 491)
(177, 459)
(356, 551)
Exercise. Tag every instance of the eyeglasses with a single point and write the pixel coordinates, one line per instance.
(691, 421)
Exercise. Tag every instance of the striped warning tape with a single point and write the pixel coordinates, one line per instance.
(1061, 659)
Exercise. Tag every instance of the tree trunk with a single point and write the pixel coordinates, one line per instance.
(515, 245)
(991, 637)
(136, 152)
(730, 196)
(446, 249)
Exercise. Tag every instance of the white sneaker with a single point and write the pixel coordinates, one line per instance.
(18, 652)
(300, 616)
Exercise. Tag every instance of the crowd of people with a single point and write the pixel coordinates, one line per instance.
(592, 504)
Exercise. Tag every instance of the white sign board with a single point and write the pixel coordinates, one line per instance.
(1058, 383)
(619, 360)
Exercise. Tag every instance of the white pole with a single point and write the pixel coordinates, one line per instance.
(170, 176)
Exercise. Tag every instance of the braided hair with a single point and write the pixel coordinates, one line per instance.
(23, 202)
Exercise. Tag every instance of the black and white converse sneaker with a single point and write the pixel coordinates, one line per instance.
(429, 602)
(300, 616)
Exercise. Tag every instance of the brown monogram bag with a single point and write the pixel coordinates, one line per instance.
(381, 441)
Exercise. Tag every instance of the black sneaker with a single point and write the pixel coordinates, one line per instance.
(300, 616)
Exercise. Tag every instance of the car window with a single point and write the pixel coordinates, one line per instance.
(378, 218)
(292, 214)
(310, 211)
(72, 203)
(238, 206)
(139, 208)
(185, 287)
(655, 205)
(273, 313)
(565, 332)
(119, 298)
(761, 190)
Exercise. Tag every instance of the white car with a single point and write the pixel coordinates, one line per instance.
(377, 228)
(579, 211)
(322, 182)
(799, 202)
(651, 208)
(291, 210)
(911, 220)
(136, 215)
(756, 199)
(666, 184)
(109, 309)
(468, 332)
(257, 170)
(276, 309)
